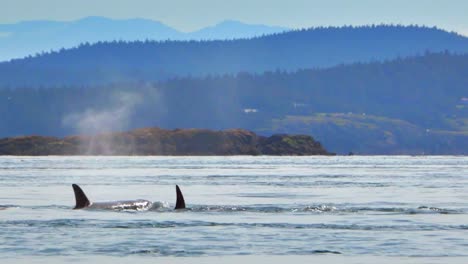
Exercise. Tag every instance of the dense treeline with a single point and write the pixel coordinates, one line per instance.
(118, 61)
(428, 91)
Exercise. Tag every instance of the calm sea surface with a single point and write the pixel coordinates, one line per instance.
(329, 207)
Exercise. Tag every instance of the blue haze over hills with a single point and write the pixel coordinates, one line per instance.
(371, 89)
(31, 37)
(122, 61)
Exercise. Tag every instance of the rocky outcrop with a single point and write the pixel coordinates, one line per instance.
(157, 141)
(282, 144)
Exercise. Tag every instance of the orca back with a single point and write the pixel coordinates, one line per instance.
(80, 198)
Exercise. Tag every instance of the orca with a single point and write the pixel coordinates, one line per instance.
(82, 202)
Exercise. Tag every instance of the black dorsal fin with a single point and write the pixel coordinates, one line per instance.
(180, 203)
(80, 197)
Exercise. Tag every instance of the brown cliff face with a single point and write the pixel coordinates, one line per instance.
(156, 141)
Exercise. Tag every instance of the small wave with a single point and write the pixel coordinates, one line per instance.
(160, 206)
(8, 206)
(46, 223)
(234, 208)
(167, 252)
(145, 224)
(438, 210)
(322, 208)
(164, 207)
(325, 252)
(313, 252)
(182, 253)
(261, 208)
(403, 210)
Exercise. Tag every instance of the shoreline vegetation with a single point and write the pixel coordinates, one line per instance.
(157, 141)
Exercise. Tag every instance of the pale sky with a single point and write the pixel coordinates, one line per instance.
(189, 15)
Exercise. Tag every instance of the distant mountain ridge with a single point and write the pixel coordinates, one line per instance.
(31, 37)
(143, 61)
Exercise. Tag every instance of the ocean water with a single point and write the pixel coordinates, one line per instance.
(332, 209)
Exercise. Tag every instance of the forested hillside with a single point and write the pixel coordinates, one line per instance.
(31, 37)
(116, 62)
(414, 105)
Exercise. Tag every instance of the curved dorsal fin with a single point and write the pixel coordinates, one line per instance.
(180, 203)
(80, 197)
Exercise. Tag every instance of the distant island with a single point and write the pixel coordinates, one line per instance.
(157, 141)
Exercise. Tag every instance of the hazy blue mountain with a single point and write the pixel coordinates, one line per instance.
(231, 29)
(120, 61)
(31, 37)
(413, 105)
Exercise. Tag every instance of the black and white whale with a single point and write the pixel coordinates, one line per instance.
(82, 202)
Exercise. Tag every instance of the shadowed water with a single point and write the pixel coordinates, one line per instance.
(348, 206)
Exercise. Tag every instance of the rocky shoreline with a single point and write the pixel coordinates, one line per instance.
(157, 141)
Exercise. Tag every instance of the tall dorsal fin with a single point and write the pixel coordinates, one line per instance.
(180, 203)
(80, 198)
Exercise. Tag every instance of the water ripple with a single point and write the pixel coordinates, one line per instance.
(87, 223)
